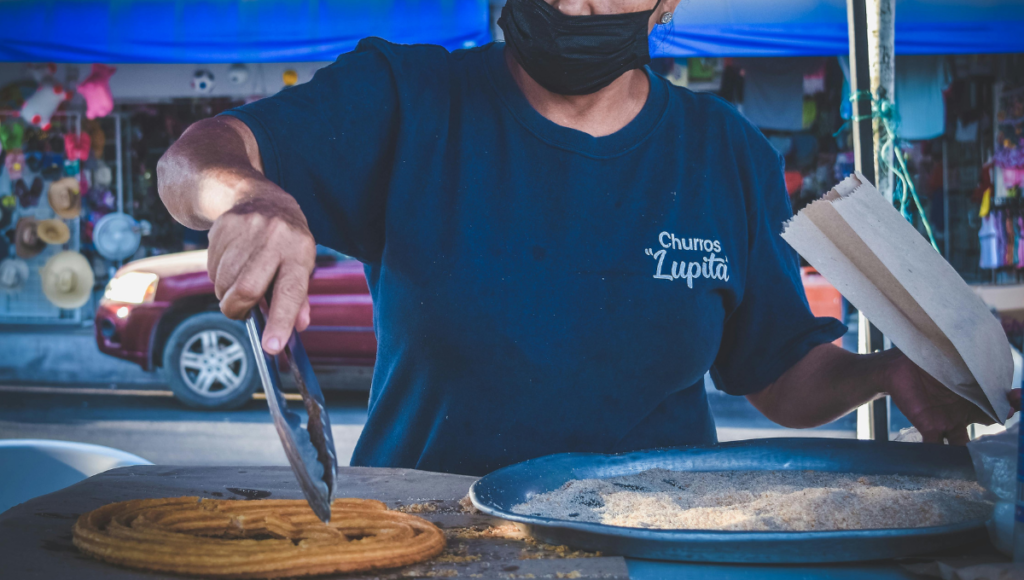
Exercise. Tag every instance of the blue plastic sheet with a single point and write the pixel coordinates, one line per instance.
(819, 27)
(208, 31)
(197, 31)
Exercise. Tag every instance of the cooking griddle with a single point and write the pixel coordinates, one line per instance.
(496, 493)
(35, 537)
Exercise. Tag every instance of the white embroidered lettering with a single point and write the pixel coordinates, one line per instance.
(661, 239)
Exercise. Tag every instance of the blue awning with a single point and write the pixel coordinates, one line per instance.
(818, 27)
(210, 31)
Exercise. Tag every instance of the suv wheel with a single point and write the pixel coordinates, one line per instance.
(209, 363)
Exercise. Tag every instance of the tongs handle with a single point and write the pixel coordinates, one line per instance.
(310, 451)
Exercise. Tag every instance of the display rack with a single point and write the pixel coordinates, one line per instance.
(29, 305)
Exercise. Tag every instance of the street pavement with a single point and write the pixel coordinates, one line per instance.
(156, 427)
(152, 424)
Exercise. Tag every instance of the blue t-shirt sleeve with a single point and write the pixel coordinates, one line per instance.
(772, 328)
(329, 143)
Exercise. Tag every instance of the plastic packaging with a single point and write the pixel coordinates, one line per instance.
(995, 464)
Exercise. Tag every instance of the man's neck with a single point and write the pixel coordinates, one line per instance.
(597, 114)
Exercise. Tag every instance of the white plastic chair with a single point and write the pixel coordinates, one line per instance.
(33, 467)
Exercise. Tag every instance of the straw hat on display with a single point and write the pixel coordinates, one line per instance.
(67, 279)
(53, 231)
(26, 241)
(66, 197)
(13, 274)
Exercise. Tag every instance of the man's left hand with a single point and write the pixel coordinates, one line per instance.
(937, 412)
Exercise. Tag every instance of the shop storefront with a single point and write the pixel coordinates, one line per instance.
(100, 112)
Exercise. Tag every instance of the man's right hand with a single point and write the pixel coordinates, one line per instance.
(262, 241)
(214, 175)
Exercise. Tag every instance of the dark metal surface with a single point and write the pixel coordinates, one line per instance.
(496, 494)
(310, 451)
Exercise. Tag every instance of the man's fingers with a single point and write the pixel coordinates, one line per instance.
(1014, 397)
(233, 260)
(302, 323)
(289, 297)
(976, 415)
(250, 287)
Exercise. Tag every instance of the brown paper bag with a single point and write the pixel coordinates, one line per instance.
(858, 241)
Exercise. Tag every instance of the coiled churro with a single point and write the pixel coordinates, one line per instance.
(254, 539)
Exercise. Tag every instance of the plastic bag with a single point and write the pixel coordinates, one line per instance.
(995, 464)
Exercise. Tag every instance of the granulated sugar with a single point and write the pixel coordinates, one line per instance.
(762, 501)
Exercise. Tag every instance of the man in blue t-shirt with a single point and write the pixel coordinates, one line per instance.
(558, 243)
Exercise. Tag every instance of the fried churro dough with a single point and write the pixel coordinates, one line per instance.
(254, 539)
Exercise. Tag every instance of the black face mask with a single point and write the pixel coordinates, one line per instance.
(574, 55)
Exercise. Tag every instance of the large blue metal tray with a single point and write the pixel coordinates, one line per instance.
(496, 493)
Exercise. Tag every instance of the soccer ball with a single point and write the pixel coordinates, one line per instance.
(202, 81)
(238, 74)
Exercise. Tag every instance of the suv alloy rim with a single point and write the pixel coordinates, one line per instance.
(213, 362)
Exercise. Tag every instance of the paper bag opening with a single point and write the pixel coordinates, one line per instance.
(858, 241)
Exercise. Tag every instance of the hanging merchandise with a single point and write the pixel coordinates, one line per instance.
(920, 80)
(95, 89)
(814, 81)
(1010, 241)
(8, 204)
(116, 236)
(986, 203)
(15, 164)
(26, 241)
(52, 166)
(53, 232)
(67, 280)
(13, 274)
(5, 247)
(66, 198)
(77, 147)
(773, 92)
(989, 243)
(202, 82)
(97, 136)
(34, 161)
(40, 107)
(1010, 129)
(102, 176)
(28, 196)
(238, 74)
(12, 136)
(1020, 243)
(100, 201)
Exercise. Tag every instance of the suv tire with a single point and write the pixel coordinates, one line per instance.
(209, 363)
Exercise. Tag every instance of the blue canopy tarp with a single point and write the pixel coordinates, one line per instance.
(819, 27)
(207, 31)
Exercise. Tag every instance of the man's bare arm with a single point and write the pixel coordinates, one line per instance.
(212, 167)
(212, 177)
(830, 382)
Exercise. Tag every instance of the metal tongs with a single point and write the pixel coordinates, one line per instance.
(310, 451)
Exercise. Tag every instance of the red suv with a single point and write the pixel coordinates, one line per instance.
(162, 312)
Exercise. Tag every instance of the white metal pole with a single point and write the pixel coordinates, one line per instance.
(872, 31)
(120, 173)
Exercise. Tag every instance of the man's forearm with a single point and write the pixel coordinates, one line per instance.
(208, 171)
(826, 384)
